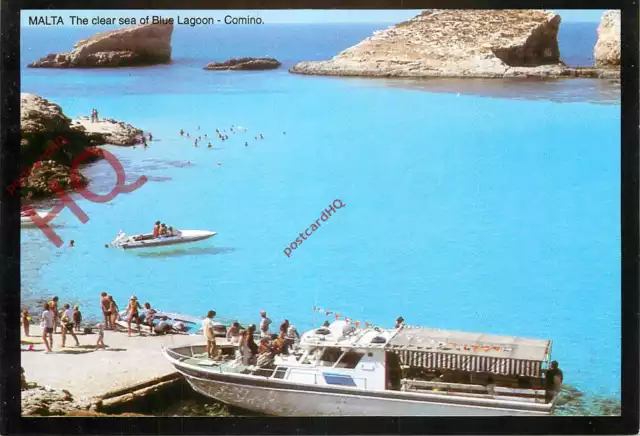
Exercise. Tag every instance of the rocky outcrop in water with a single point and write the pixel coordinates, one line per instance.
(109, 131)
(457, 43)
(135, 46)
(245, 64)
(45, 158)
(607, 49)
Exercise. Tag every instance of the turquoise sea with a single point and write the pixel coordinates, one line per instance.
(485, 206)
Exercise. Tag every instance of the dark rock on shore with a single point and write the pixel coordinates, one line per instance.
(135, 46)
(245, 64)
(46, 401)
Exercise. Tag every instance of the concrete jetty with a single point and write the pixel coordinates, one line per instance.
(129, 364)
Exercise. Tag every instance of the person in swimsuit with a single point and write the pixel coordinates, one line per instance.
(104, 304)
(25, 321)
(234, 334)
(100, 343)
(156, 229)
(47, 322)
(66, 322)
(77, 317)
(113, 312)
(53, 306)
(132, 309)
(149, 315)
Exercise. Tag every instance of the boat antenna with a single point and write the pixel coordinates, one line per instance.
(313, 317)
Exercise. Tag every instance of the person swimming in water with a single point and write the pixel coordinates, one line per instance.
(181, 132)
(196, 142)
(209, 145)
(261, 137)
(246, 144)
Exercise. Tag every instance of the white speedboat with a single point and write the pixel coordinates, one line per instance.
(148, 241)
(409, 371)
(26, 221)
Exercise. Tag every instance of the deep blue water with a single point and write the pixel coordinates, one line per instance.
(478, 206)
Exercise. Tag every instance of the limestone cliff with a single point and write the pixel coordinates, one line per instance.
(135, 46)
(456, 43)
(607, 49)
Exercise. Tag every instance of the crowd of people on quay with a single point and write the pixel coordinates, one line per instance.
(256, 344)
(249, 352)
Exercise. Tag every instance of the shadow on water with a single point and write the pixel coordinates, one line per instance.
(188, 252)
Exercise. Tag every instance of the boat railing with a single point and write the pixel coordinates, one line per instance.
(526, 395)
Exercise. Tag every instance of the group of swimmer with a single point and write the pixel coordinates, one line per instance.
(223, 136)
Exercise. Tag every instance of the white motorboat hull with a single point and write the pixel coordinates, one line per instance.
(170, 242)
(25, 221)
(280, 397)
(302, 402)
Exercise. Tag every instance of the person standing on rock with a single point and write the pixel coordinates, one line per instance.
(93, 115)
(97, 118)
(47, 322)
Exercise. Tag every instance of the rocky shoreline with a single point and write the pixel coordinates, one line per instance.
(465, 43)
(42, 123)
(134, 46)
(249, 64)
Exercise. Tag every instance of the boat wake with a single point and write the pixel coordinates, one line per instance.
(187, 252)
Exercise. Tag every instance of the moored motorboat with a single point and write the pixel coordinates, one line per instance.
(26, 221)
(147, 240)
(346, 371)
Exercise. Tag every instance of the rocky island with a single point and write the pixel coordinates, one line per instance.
(135, 46)
(459, 43)
(245, 64)
(607, 49)
(43, 122)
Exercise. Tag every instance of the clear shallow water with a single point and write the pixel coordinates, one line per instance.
(482, 211)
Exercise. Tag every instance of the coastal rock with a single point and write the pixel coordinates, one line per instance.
(607, 49)
(43, 166)
(245, 64)
(45, 401)
(457, 43)
(38, 115)
(109, 131)
(45, 177)
(148, 44)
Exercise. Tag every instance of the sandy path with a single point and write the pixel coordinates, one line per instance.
(85, 372)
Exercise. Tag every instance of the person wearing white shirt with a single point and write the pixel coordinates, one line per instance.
(264, 325)
(46, 322)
